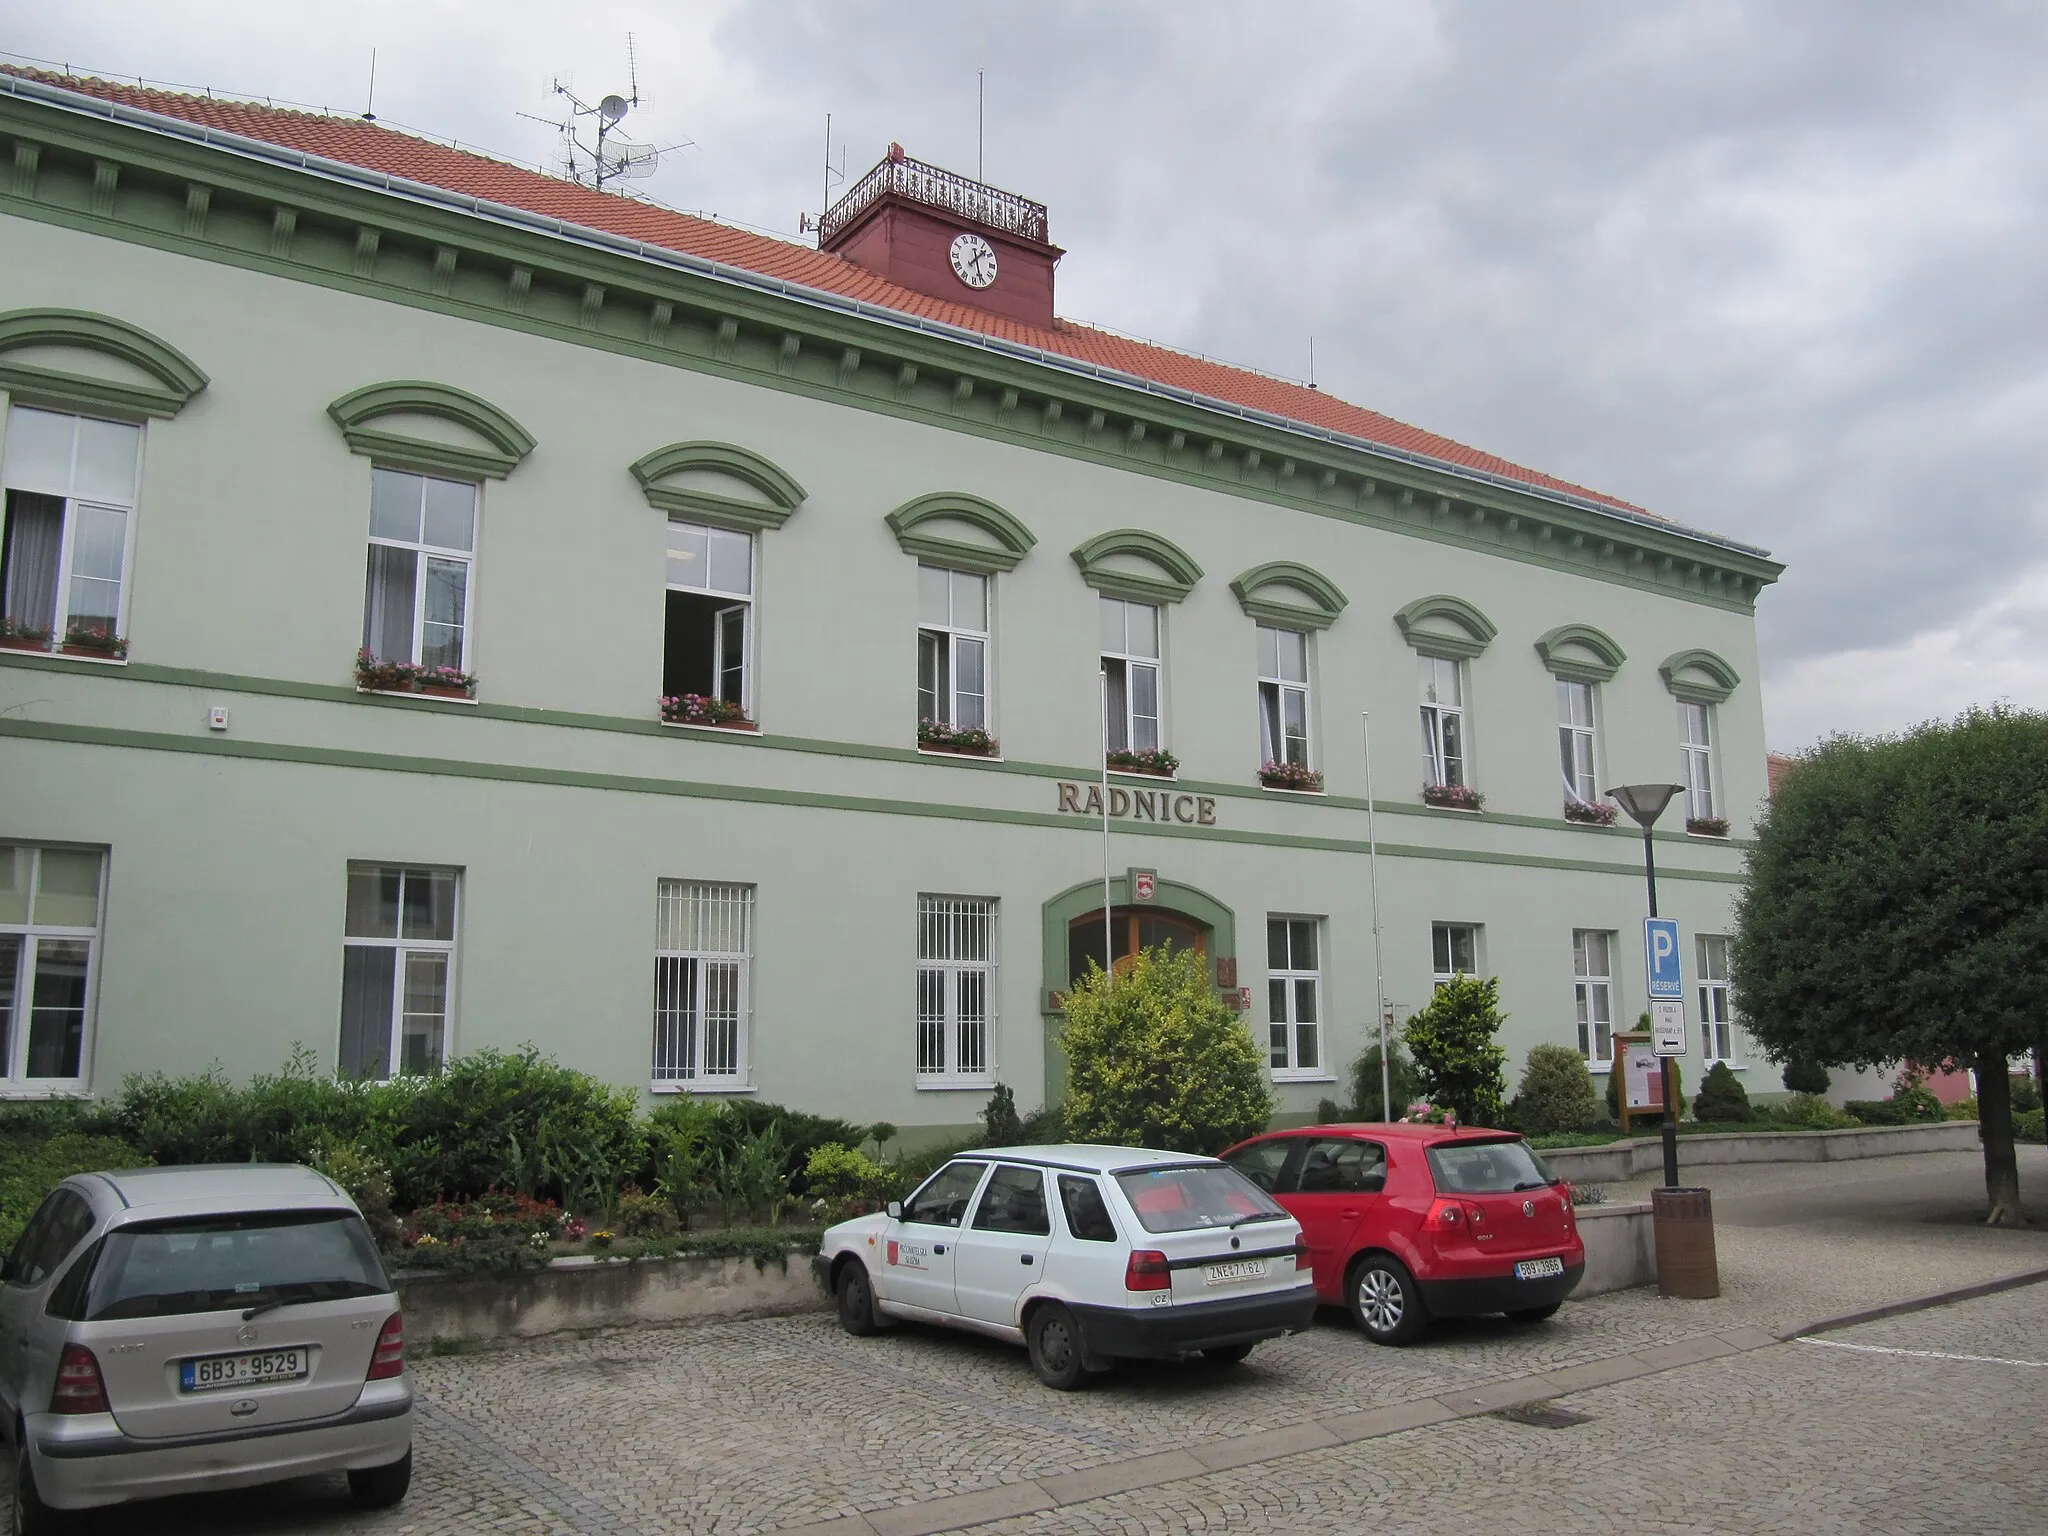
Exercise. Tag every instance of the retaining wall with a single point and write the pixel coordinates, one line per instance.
(1621, 1248)
(1618, 1161)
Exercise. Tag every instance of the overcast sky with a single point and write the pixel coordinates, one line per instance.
(1776, 270)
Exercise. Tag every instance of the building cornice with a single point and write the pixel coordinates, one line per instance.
(87, 164)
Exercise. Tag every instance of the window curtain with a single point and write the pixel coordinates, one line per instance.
(35, 537)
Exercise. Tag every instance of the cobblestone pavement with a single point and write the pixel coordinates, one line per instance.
(744, 1427)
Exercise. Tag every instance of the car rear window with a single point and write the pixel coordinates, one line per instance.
(1198, 1195)
(1487, 1168)
(209, 1264)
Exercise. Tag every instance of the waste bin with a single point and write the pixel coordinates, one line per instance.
(1684, 1224)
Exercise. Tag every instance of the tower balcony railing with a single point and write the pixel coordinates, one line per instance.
(917, 182)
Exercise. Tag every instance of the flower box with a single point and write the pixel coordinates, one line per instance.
(1601, 815)
(24, 642)
(374, 676)
(934, 736)
(1453, 797)
(1159, 763)
(706, 710)
(1290, 776)
(446, 683)
(85, 638)
(1707, 826)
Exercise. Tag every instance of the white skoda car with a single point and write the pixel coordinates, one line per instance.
(178, 1330)
(1085, 1255)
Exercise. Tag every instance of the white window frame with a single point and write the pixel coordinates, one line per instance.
(60, 618)
(425, 552)
(15, 1084)
(686, 1069)
(1436, 762)
(1587, 985)
(1716, 1000)
(745, 602)
(940, 1045)
(1696, 759)
(406, 948)
(1440, 971)
(1130, 662)
(954, 637)
(1571, 733)
(1289, 1026)
(1275, 687)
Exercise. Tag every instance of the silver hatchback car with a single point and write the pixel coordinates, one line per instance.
(179, 1330)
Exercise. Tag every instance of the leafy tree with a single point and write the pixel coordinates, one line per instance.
(1897, 910)
(1722, 1098)
(1456, 1056)
(1365, 1082)
(1556, 1093)
(1155, 1058)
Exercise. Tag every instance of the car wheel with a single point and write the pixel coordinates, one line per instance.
(856, 1300)
(1056, 1354)
(1385, 1301)
(381, 1487)
(1228, 1354)
(1534, 1314)
(32, 1517)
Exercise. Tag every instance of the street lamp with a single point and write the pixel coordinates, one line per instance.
(1644, 804)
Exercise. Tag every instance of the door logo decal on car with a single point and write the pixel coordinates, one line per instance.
(907, 1255)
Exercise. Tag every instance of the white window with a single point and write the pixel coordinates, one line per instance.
(1294, 996)
(952, 648)
(1443, 720)
(1717, 1017)
(1283, 696)
(422, 563)
(1130, 661)
(708, 635)
(1593, 993)
(1575, 741)
(1454, 951)
(703, 984)
(49, 933)
(956, 990)
(1696, 745)
(397, 969)
(70, 504)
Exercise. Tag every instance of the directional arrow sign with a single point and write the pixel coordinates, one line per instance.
(1660, 954)
(1667, 1029)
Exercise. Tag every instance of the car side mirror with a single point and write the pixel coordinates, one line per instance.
(895, 1209)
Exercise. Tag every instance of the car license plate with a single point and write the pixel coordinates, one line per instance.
(1538, 1269)
(216, 1372)
(1230, 1274)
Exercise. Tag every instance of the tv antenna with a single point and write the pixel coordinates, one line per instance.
(605, 158)
(804, 222)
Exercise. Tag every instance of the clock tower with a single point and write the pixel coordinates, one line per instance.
(946, 237)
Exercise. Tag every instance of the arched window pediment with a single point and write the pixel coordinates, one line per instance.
(1698, 677)
(1579, 653)
(81, 361)
(718, 483)
(374, 422)
(931, 529)
(1172, 575)
(1289, 594)
(1443, 625)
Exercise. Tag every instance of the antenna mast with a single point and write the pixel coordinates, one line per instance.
(618, 160)
(370, 106)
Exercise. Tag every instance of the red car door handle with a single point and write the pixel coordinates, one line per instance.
(1351, 1215)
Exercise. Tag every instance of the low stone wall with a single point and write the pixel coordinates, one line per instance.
(572, 1294)
(1619, 1161)
(1621, 1248)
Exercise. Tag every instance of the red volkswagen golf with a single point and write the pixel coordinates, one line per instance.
(1409, 1222)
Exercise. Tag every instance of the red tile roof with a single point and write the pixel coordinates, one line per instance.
(370, 147)
(1780, 767)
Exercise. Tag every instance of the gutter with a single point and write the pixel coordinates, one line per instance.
(740, 277)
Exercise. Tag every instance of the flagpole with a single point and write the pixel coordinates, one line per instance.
(1378, 964)
(1108, 921)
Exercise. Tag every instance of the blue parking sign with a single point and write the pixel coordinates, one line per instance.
(1660, 956)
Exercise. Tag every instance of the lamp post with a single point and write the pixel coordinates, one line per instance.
(1644, 804)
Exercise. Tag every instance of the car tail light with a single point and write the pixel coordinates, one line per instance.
(388, 1359)
(1146, 1270)
(1302, 1259)
(1446, 1216)
(79, 1388)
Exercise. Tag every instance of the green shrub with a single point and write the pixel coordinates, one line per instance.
(844, 1182)
(1914, 1100)
(1811, 1112)
(1155, 1058)
(368, 1183)
(1330, 1112)
(1556, 1093)
(1456, 1056)
(750, 1173)
(798, 1133)
(2026, 1093)
(1722, 1099)
(2027, 1125)
(1402, 1083)
(1000, 1125)
(499, 1233)
(1805, 1077)
(1875, 1112)
(32, 1164)
(644, 1215)
(913, 1167)
(1963, 1109)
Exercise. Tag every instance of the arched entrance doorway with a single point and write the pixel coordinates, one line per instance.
(1131, 929)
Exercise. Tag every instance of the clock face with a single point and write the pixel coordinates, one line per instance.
(974, 261)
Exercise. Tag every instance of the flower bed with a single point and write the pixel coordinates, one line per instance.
(1158, 762)
(1453, 797)
(936, 736)
(1290, 776)
(1601, 815)
(703, 709)
(375, 676)
(1707, 826)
